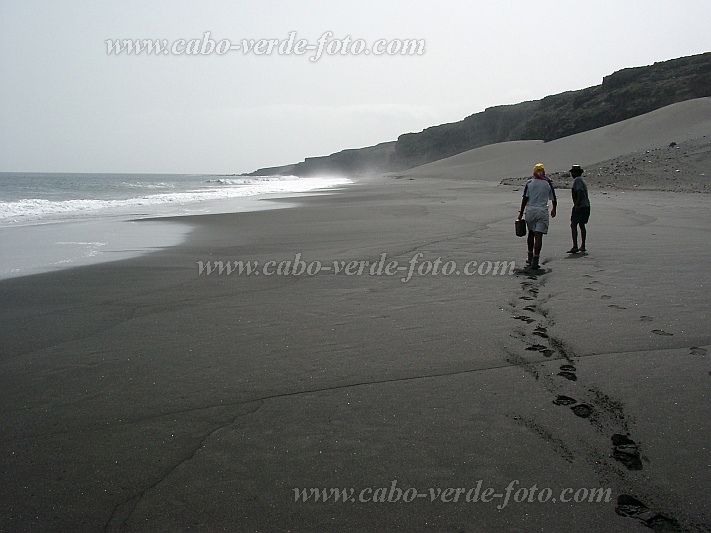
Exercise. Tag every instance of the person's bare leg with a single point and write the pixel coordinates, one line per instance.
(537, 243)
(583, 234)
(530, 247)
(574, 231)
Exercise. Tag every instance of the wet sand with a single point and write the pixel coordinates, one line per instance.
(142, 396)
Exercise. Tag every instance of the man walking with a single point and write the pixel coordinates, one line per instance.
(538, 191)
(581, 209)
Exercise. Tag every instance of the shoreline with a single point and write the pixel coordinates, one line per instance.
(52, 245)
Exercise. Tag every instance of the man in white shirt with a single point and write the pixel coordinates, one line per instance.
(538, 191)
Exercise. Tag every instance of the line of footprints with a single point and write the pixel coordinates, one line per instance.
(642, 318)
(624, 449)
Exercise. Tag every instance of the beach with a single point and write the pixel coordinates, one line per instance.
(148, 395)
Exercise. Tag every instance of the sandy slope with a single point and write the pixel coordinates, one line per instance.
(685, 123)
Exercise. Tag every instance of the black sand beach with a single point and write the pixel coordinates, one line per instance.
(142, 396)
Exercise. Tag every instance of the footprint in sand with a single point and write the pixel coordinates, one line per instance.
(626, 451)
(662, 333)
(583, 410)
(540, 348)
(524, 318)
(526, 298)
(564, 400)
(615, 306)
(633, 508)
(567, 368)
(536, 348)
(531, 308)
(629, 506)
(590, 289)
(645, 318)
(541, 332)
(568, 375)
(605, 297)
(695, 350)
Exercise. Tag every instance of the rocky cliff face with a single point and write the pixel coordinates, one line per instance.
(622, 95)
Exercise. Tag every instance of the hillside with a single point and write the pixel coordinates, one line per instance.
(622, 95)
(665, 149)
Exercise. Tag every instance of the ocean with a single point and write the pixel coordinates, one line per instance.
(51, 221)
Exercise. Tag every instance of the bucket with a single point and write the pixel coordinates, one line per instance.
(520, 228)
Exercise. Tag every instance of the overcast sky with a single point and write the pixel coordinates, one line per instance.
(67, 105)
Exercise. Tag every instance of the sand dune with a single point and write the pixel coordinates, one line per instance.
(679, 122)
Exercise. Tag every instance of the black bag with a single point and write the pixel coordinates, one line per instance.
(520, 228)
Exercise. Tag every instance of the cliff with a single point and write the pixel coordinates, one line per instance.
(624, 94)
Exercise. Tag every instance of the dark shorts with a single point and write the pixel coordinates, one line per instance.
(581, 215)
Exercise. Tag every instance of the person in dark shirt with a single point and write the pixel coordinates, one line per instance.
(581, 209)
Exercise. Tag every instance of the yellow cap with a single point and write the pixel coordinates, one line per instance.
(539, 168)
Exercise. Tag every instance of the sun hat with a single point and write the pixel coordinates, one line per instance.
(576, 168)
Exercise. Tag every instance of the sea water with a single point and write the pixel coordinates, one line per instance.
(50, 221)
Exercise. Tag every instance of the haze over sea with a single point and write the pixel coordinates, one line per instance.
(50, 221)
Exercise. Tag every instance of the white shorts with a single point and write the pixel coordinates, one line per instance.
(537, 219)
